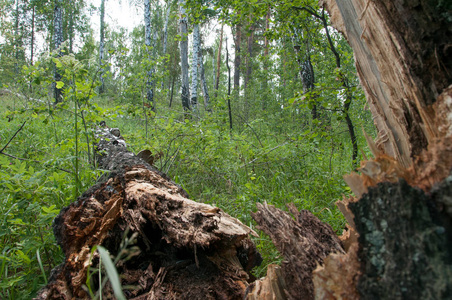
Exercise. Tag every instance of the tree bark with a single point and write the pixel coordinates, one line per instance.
(249, 66)
(205, 90)
(57, 41)
(183, 22)
(237, 59)
(32, 42)
(149, 47)
(404, 64)
(229, 86)
(182, 249)
(266, 59)
(304, 241)
(194, 68)
(165, 35)
(16, 39)
(399, 232)
(101, 47)
(217, 77)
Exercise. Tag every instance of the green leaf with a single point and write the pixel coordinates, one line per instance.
(111, 272)
(59, 84)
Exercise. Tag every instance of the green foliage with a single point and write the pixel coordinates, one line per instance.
(276, 153)
(28, 207)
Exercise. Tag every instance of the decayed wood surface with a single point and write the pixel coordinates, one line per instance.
(304, 242)
(398, 241)
(403, 57)
(186, 250)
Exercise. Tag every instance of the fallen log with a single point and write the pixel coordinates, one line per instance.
(183, 249)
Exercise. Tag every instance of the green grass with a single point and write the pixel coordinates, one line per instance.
(277, 157)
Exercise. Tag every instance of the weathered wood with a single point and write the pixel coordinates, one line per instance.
(187, 250)
(403, 57)
(304, 242)
(398, 240)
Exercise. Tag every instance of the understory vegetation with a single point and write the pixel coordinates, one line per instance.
(277, 151)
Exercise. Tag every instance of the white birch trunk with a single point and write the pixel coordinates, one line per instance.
(165, 35)
(194, 68)
(101, 46)
(183, 22)
(205, 90)
(147, 42)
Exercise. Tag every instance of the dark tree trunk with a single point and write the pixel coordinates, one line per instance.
(185, 96)
(229, 86)
(399, 232)
(183, 249)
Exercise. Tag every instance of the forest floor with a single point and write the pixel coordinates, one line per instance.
(277, 157)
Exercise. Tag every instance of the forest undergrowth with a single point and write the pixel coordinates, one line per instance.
(277, 157)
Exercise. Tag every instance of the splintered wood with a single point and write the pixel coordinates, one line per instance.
(183, 249)
(304, 242)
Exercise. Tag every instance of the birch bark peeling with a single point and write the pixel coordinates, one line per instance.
(403, 63)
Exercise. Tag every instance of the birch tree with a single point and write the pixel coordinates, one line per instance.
(194, 68)
(57, 41)
(183, 23)
(150, 44)
(165, 33)
(237, 58)
(217, 76)
(101, 46)
(205, 90)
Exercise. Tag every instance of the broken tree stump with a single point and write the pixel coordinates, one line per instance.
(304, 242)
(187, 250)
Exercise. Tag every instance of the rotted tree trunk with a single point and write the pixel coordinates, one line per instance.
(183, 249)
(398, 238)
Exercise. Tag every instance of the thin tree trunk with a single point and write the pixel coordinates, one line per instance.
(165, 36)
(148, 43)
(101, 47)
(194, 68)
(71, 30)
(217, 82)
(32, 46)
(205, 90)
(172, 90)
(237, 59)
(214, 70)
(183, 22)
(308, 79)
(249, 65)
(346, 87)
(57, 41)
(16, 40)
(229, 86)
(266, 59)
